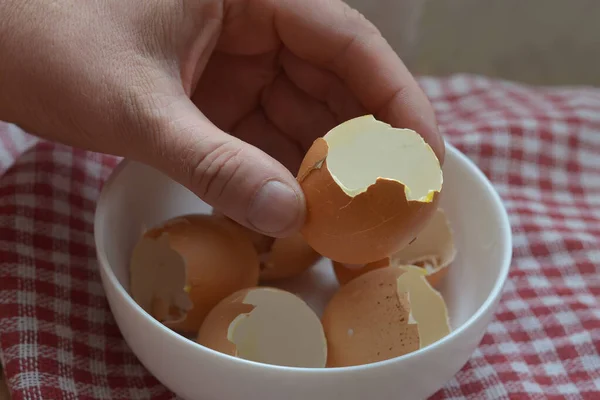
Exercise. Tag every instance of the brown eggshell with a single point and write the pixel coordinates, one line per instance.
(367, 321)
(219, 260)
(280, 258)
(433, 249)
(288, 257)
(266, 325)
(383, 314)
(213, 332)
(345, 274)
(362, 228)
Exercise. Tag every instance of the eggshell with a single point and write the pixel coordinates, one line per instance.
(383, 314)
(433, 249)
(215, 258)
(288, 257)
(158, 290)
(266, 325)
(214, 330)
(369, 190)
(427, 306)
(345, 273)
(280, 258)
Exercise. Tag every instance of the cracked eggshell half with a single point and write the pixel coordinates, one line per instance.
(383, 314)
(181, 269)
(369, 188)
(266, 325)
(280, 258)
(288, 257)
(433, 249)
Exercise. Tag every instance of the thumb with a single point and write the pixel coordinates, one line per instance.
(234, 177)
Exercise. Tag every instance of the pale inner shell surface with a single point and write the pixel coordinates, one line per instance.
(158, 279)
(281, 329)
(382, 153)
(427, 306)
(433, 247)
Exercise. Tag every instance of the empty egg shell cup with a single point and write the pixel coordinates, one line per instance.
(372, 208)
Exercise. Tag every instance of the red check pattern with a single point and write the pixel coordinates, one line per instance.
(539, 146)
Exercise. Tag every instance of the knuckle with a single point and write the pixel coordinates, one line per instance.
(212, 173)
(363, 34)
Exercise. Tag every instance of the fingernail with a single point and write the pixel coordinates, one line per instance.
(275, 207)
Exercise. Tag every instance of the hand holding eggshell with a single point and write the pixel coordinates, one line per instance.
(372, 200)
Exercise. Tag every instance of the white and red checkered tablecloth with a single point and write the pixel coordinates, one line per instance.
(540, 147)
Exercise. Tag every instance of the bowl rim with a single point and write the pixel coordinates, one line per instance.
(484, 309)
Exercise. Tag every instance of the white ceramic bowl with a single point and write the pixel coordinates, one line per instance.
(137, 197)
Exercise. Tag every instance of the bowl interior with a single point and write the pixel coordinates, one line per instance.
(138, 197)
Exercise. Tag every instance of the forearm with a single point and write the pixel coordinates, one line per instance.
(72, 70)
(45, 66)
(13, 12)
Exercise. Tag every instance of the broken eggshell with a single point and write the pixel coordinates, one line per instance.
(288, 257)
(158, 290)
(369, 188)
(433, 249)
(383, 314)
(280, 258)
(266, 325)
(184, 267)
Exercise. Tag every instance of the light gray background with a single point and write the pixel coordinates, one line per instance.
(533, 41)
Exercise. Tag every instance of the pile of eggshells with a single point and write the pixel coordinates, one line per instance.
(372, 194)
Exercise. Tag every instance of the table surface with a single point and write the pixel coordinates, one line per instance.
(539, 147)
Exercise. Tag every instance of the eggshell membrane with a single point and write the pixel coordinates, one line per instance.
(367, 320)
(219, 260)
(280, 258)
(365, 225)
(433, 249)
(266, 325)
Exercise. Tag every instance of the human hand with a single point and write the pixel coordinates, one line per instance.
(224, 96)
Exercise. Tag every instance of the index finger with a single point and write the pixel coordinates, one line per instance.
(334, 36)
